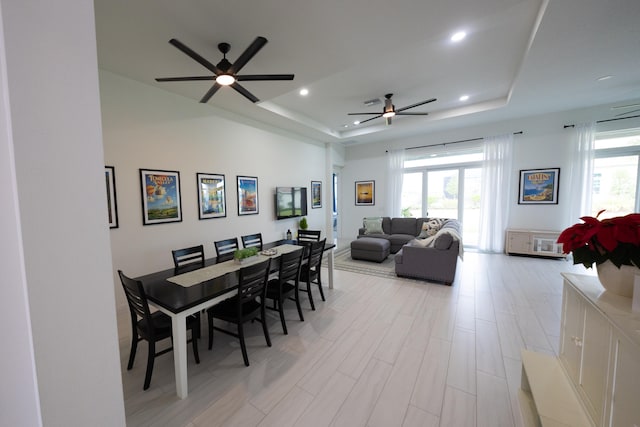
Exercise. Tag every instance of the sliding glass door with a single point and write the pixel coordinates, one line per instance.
(449, 192)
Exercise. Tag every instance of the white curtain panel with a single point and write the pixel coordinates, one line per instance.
(581, 172)
(495, 192)
(395, 173)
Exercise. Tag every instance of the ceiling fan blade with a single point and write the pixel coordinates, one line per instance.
(249, 52)
(185, 79)
(242, 91)
(372, 118)
(411, 114)
(416, 105)
(258, 77)
(207, 96)
(196, 57)
(361, 114)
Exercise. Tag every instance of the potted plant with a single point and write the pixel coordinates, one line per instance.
(303, 223)
(612, 244)
(242, 256)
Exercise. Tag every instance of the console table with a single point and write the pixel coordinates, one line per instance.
(595, 381)
(534, 242)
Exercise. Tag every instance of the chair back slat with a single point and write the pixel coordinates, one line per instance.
(252, 240)
(315, 254)
(225, 249)
(308, 235)
(253, 281)
(290, 264)
(187, 257)
(136, 298)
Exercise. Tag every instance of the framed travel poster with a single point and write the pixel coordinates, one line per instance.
(316, 194)
(212, 201)
(247, 195)
(112, 205)
(539, 186)
(160, 196)
(365, 193)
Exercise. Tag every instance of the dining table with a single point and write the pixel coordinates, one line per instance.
(179, 293)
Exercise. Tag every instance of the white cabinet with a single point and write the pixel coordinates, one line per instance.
(599, 356)
(533, 242)
(625, 401)
(585, 344)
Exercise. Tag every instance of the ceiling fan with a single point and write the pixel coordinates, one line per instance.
(389, 110)
(226, 73)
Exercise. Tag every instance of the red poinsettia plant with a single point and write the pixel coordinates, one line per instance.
(614, 239)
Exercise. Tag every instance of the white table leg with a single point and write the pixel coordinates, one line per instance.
(179, 329)
(330, 267)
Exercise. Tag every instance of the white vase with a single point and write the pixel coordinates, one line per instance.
(617, 280)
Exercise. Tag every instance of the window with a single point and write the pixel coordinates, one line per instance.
(445, 183)
(615, 173)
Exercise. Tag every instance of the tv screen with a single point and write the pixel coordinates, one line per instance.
(291, 202)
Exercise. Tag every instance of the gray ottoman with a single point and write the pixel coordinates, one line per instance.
(370, 249)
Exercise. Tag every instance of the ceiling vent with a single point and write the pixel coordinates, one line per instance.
(374, 101)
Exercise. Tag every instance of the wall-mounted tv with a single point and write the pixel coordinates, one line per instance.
(291, 202)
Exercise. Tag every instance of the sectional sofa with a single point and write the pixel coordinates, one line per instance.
(425, 248)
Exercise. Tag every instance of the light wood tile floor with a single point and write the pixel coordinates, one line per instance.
(378, 352)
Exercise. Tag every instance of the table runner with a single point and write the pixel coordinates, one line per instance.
(217, 270)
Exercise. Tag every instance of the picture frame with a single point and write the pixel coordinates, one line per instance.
(212, 199)
(247, 195)
(112, 203)
(316, 194)
(161, 199)
(365, 193)
(539, 186)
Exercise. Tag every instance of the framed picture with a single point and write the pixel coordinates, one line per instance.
(365, 193)
(212, 201)
(539, 186)
(160, 196)
(247, 195)
(316, 194)
(112, 205)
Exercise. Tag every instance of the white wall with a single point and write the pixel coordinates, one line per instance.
(56, 135)
(19, 402)
(543, 144)
(145, 127)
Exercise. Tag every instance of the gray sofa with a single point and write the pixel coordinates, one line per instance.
(437, 260)
(398, 231)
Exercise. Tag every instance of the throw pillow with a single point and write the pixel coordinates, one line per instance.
(431, 227)
(372, 225)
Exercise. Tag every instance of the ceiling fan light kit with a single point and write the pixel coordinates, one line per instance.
(225, 73)
(390, 111)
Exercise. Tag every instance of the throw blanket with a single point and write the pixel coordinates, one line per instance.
(429, 242)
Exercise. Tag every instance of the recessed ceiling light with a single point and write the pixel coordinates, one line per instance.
(460, 35)
(464, 98)
(304, 92)
(603, 78)
(357, 122)
(345, 126)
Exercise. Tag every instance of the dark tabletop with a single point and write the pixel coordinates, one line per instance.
(176, 298)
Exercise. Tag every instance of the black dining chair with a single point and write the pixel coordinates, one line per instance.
(310, 271)
(308, 236)
(152, 327)
(245, 306)
(252, 240)
(188, 257)
(286, 284)
(225, 249)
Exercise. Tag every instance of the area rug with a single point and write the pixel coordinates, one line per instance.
(342, 261)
